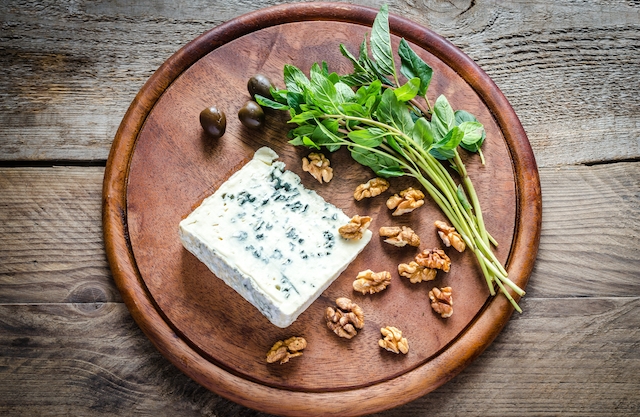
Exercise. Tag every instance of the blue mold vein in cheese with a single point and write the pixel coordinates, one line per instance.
(270, 239)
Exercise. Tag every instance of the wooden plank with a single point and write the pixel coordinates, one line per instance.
(565, 71)
(51, 245)
(562, 357)
(570, 72)
(590, 241)
(85, 359)
(51, 234)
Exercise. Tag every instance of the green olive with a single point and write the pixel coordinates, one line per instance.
(259, 84)
(251, 115)
(213, 121)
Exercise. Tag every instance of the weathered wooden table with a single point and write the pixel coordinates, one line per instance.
(68, 345)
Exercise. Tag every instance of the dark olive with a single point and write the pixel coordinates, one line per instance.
(213, 121)
(251, 115)
(259, 84)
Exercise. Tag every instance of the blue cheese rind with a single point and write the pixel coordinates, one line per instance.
(273, 241)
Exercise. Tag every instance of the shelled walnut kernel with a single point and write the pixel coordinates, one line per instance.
(416, 273)
(317, 165)
(345, 319)
(371, 282)
(371, 188)
(283, 350)
(442, 301)
(449, 236)
(400, 236)
(393, 340)
(355, 228)
(434, 259)
(408, 200)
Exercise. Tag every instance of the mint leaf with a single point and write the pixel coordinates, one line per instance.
(408, 91)
(295, 101)
(315, 71)
(381, 42)
(393, 112)
(470, 125)
(441, 154)
(444, 111)
(345, 92)
(367, 91)
(422, 134)
(357, 66)
(473, 132)
(266, 102)
(357, 79)
(279, 95)
(324, 93)
(438, 127)
(353, 109)
(294, 79)
(464, 116)
(369, 138)
(390, 172)
(451, 140)
(380, 164)
(413, 66)
(325, 135)
(304, 130)
(308, 142)
(303, 117)
(391, 141)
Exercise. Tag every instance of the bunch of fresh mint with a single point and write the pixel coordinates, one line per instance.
(393, 129)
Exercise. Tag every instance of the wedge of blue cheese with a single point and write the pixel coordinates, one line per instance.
(272, 240)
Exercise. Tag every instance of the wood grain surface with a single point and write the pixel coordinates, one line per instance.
(68, 345)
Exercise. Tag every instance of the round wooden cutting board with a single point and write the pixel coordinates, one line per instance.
(162, 166)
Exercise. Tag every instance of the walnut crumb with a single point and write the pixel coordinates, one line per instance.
(371, 188)
(408, 200)
(442, 301)
(355, 228)
(346, 319)
(317, 165)
(393, 340)
(449, 236)
(283, 350)
(400, 236)
(416, 273)
(371, 282)
(434, 259)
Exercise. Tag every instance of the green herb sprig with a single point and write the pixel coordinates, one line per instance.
(393, 129)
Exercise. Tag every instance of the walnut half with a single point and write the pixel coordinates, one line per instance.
(317, 165)
(371, 188)
(400, 236)
(434, 259)
(408, 200)
(393, 340)
(449, 236)
(371, 282)
(283, 350)
(442, 301)
(416, 273)
(355, 228)
(345, 319)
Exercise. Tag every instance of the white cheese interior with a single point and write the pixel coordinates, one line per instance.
(270, 239)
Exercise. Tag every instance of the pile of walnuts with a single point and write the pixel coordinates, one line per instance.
(347, 318)
(425, 265)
